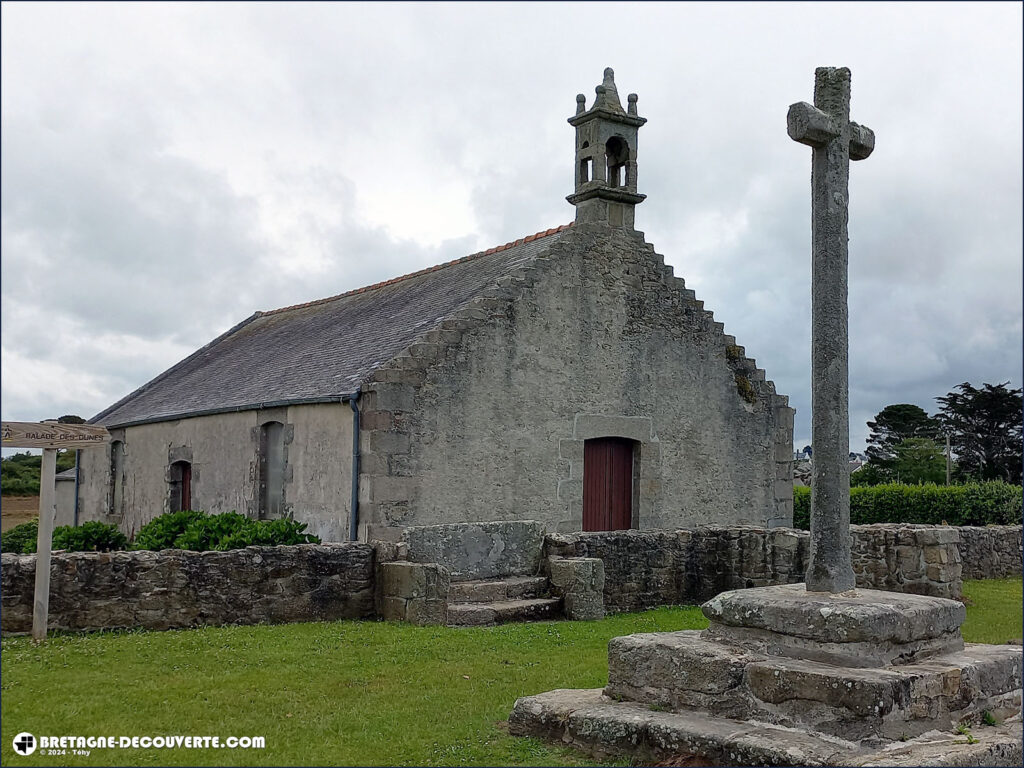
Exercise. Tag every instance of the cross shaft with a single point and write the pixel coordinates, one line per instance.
(835, 139)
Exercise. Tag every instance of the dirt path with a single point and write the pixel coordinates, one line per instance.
(17, 510)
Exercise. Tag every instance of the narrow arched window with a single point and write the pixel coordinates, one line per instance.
(271, 475)
(180, 482)
(117, 478)
(586, 164)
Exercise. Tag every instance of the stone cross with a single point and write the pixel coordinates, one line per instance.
(836, 140)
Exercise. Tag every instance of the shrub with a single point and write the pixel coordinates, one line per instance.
(200, 532)
(163, 531)
(268, 533)
(21, 539)
(988, 503)
(89, 537)
(205, 533)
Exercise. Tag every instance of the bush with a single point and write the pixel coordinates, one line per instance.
(988, 503)
(206, 533)
(19, 474)
(89, 537)
(200, 532)
(21, 539)
(268, 533)
(163, 531)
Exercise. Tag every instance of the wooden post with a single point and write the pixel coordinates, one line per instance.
(47, 513)
(48, 435)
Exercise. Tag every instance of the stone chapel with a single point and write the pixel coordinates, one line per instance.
(567, 377)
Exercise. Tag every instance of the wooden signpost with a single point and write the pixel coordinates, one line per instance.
(50, 436)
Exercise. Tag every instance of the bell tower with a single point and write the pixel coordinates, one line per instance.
(606, 157)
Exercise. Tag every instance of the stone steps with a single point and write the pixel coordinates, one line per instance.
(603, 727)
(685, 671)
(495, 590)
(504, 611)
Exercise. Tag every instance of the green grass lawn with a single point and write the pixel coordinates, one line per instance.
(993, 610)
(343, 693)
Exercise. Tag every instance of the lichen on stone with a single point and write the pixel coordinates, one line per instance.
(745, 388)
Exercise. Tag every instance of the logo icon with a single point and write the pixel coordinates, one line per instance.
(24, 744)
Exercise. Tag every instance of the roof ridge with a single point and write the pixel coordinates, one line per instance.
(365, 288)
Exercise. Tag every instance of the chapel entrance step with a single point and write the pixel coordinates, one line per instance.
(493, 590)
(504, 611)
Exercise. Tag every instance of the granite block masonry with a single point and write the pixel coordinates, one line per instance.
(177, 588)
(644, 569)
(783, 676)
(478, 550)
(579, 581)
(413, 592)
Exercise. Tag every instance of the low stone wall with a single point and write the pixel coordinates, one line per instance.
(992, 552)
(174, 588)
(649, 568)
(921, 559)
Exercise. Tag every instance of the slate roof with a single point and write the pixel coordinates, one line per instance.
(322, 350)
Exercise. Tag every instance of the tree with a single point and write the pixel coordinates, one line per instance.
(919, 460)
(893, 425)
(70, 419)
(984, 426)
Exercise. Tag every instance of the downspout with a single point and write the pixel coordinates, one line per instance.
(78, 476)
(353, 513)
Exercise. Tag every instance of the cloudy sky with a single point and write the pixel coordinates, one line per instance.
(170, 168)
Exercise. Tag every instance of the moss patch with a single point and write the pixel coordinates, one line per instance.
(745, 388)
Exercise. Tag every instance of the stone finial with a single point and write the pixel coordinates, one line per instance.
(605, 157)
(607, 94)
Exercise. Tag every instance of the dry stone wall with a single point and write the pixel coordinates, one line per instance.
(648, 568)
(174, 588)
(991, 552)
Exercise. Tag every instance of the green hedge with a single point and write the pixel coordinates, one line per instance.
(971, 504)
(196, 531)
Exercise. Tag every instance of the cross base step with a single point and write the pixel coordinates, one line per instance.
(603, 727)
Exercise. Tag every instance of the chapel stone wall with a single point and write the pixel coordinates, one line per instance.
(223, 450)
(486, 417)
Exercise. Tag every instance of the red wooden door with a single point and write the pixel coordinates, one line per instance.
(607, 484)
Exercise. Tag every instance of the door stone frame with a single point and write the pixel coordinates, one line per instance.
(646, 468)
